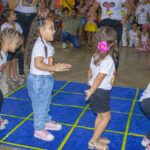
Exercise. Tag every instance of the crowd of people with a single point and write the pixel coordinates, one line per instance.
(27, 31)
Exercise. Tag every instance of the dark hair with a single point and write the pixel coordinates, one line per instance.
(41, 21)
(134, 23)
(6, 13)
(109, 35)
(65, 9)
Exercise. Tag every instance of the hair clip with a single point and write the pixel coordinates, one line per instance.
(40, 21)
(103, 46)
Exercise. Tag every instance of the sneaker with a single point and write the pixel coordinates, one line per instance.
(4, 121)
(2, 126)
(145, 141)
(52, 125)
(64, 45)
(43, 135)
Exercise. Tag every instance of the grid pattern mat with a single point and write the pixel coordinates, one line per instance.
(125, 130)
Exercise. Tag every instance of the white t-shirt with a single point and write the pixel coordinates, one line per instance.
(146, 93)
(145, 38)
(7, 25)
(107, 67)
(142, 13)
(3, 57)
(38, 50)
(111, 8)
(26, 6)
(133, 35)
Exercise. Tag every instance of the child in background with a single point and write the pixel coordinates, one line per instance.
(143, 13)
(9, 41)
(144, 39)
(40, 80)
(124, 23)
(71, 25)
(13, 58)
(134, 36)
(91, 27)
(82, 12)
(100, 78)
(145, 105)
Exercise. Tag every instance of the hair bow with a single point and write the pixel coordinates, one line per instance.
(103, 46)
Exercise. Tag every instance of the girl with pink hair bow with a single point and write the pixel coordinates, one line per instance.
(100, 79)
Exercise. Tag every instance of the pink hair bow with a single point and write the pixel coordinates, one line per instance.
(147, 26)
(103, 46)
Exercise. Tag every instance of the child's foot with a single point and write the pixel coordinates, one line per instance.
(43, 135)
(17, 79)
(52, 125)
(2, 126)
(145, 141)
(98, 146)
(104, 140)
(4, 121)
(10, 82)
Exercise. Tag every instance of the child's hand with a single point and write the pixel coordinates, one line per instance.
(88, 94)
(62, 67)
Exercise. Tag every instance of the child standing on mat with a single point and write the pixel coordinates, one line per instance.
(100, 78)
(40, 80)
(145, 105)
(9, 41)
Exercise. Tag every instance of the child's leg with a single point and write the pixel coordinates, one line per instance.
(37, 89)
(21, 63)
(102, 123)
(75, 41)
(1, 100)
(64, 37)
(92, 38)
(131, 42)
(8, 70)
(14, 68)
(3, 122)
(89, 38)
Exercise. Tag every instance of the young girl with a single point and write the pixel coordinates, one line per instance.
(9, 41)
(142, 13)
(100, 79)
(144, 39)
(134, 36)
(91, 27)
(40, 80)
(12, 58)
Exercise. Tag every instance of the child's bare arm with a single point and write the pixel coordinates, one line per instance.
(95, 85)
(89, 74)
(39, 64)
(97, 82)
